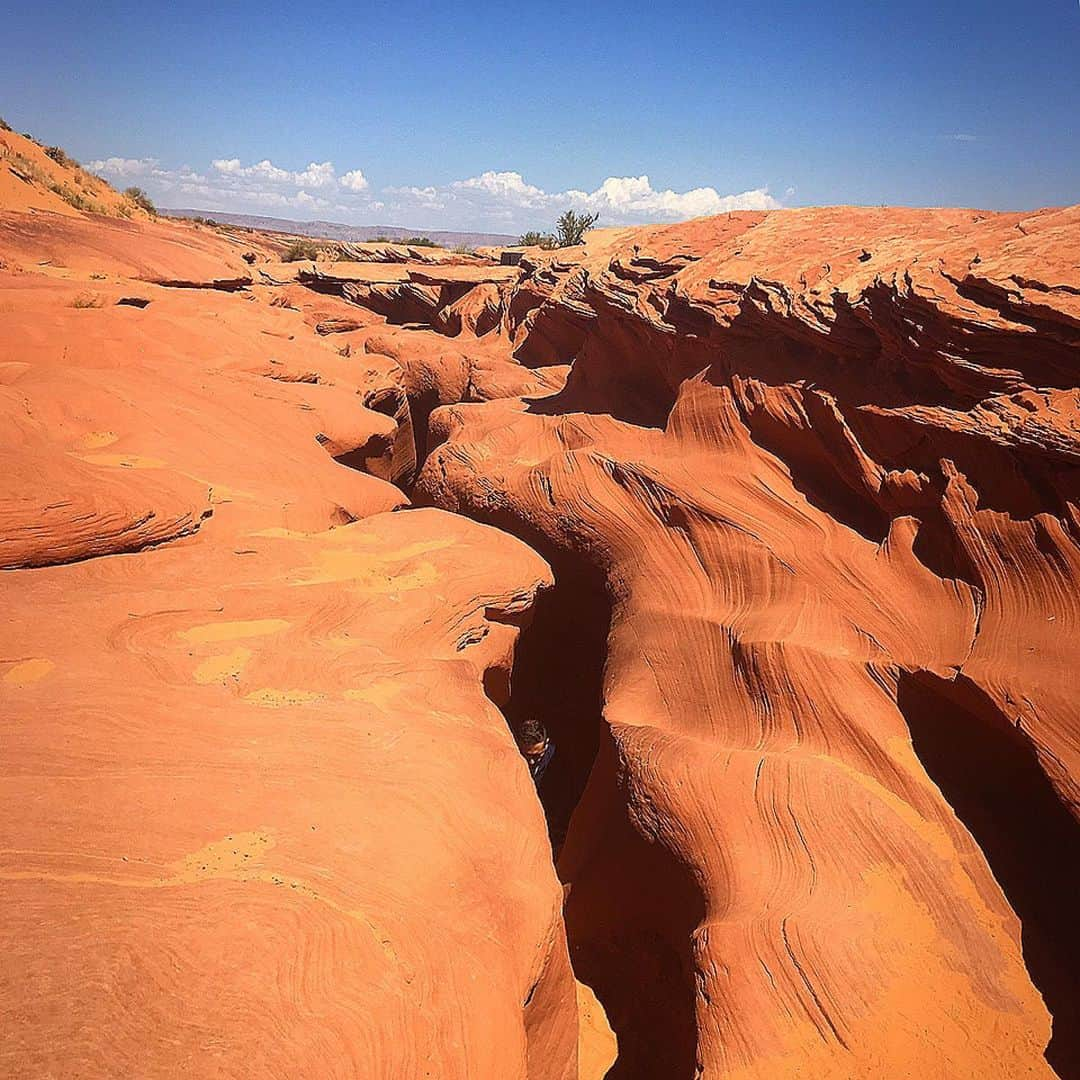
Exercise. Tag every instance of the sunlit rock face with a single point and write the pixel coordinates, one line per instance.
(766, 522)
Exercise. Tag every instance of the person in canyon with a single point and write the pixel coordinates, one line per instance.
(536, 747)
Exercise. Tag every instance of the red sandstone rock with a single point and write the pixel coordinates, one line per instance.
(832, 500)
(807, 481)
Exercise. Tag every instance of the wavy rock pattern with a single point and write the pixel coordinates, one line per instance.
(796, 601)
(829, 481)
(260, 816)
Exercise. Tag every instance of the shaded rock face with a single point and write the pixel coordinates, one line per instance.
(773, 535)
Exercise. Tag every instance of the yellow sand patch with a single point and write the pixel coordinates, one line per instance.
(28, 671)
(278, 533)
(234, 855)
(232, 631)
(237, 857)
(95, 440)
(597, 1045)
(421, 547)
(124, 461)
(374, 573)
(352, 535)
(219, 493)
(378, 693)
(279, 699)
(225, 666)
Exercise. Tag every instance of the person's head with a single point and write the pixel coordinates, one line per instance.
(535, 750)
(531, 733)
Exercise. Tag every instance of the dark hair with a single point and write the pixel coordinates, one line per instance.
(532, 731)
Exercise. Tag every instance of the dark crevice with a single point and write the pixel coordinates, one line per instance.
(557, 684)
(631, 907)
(631, 912)
(991, 777)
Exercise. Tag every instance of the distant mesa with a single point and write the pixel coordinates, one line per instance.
(335, 230)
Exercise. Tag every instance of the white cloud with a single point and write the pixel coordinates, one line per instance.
(124, 167)
(354, 180)
(629, 198)
(500, 201)
(262, 170)
(427, 198)
(508, 187)
(507, 196)
(317, 175)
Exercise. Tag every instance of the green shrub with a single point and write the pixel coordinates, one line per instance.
(77, 199)
(571, 228)
(417, 241)
(536, 239)
(4, 125)
(301, 249)
(141, 200)
(58, 155)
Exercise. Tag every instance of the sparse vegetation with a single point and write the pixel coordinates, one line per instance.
(25, 169)
(86, 300)
(78, 199)
(209, 222)
(31, 172)
(409, 241)
(462, 249)
(59, 155)
(571, 228)
(141, 200)
(536, 239)
(301, 249)
(4, 125)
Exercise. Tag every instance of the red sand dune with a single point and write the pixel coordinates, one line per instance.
(773, 527)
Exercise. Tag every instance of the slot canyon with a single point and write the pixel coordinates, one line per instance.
(766, 522)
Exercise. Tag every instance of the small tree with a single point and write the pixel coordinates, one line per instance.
(141, 200)
(58, 155)
(571, 228)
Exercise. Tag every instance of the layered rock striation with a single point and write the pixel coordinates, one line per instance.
(774, 534)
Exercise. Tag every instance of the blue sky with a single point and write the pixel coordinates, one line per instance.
(491, 116)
